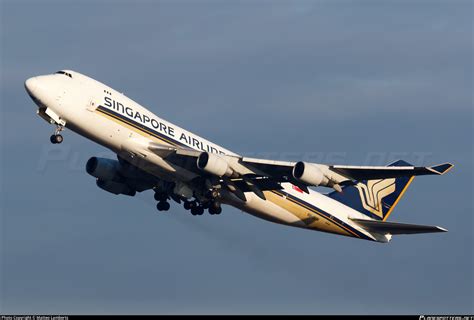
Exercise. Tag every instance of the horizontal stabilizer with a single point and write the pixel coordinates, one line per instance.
(393, 228)
(373, 173)
(441, 168)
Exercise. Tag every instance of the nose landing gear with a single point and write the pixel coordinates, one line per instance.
(56, 137)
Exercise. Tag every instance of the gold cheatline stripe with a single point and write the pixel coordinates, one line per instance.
(135, 126)
(318, 213)
(399, 197)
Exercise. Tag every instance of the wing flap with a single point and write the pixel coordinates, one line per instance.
(394, 228)
(262, 184)
(164, 150)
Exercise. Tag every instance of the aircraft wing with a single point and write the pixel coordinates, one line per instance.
(266, 174)
(341, 173)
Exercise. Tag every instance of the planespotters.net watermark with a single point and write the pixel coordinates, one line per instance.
(74, 160)
(432, 317)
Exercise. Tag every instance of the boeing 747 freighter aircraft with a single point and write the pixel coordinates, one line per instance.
(179, 165)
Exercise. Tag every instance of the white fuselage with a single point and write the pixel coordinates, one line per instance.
(105, 116)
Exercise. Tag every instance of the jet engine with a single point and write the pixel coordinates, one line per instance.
(213, 164)
(115, 187)
(104, 169)
(309, 174)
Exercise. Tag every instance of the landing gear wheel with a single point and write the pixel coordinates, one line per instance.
(187, 205)
(59, 138)
(197, 210)
(56, 138)
(163, 206)
(215, 208)
(200, 210)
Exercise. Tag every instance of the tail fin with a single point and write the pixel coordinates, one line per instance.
(375, 198)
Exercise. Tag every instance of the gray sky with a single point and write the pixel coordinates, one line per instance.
(333, 81)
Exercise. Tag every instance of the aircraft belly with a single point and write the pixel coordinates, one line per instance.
(265, 210)
(283, 211)
(310, 218)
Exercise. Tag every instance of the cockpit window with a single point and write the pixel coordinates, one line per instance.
(65, 73)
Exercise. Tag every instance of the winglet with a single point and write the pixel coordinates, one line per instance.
(441, 168)
(441, 229)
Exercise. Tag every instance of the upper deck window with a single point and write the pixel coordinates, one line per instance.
(65, 73)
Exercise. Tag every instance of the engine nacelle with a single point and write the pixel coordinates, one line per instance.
(309, 174)
(101, 168)
(115, 187)
(213, 164)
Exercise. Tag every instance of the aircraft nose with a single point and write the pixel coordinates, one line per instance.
(30, 85)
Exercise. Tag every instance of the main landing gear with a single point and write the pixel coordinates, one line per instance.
(163, 204)
(215, 208)
(56, 137)
(198, 208)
